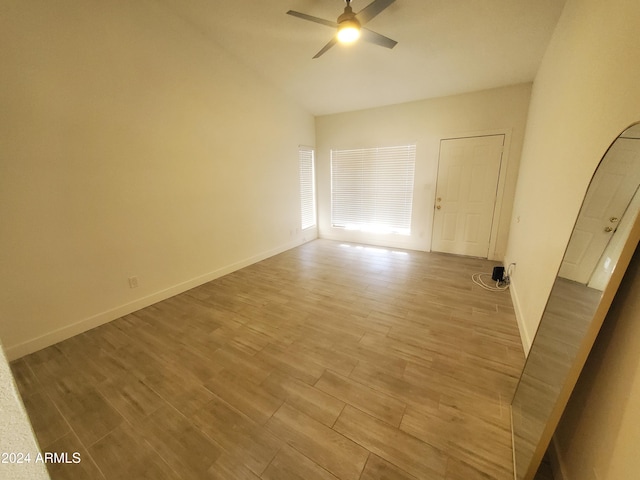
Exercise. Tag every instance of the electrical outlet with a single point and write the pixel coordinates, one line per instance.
(133, 282)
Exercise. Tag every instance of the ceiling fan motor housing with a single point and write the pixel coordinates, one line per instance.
(348, 17)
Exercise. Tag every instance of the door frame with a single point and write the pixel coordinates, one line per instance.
(493, 253)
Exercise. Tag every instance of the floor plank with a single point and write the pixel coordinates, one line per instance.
(453, 431)
(124, 454)
(237, 434)
(180, 444)
(412, 455)
(325, 446)
(378, 468)
(292, 465)
(379, 405)
(313, 401)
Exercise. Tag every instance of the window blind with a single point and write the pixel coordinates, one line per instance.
(307, 188)
(372, 189)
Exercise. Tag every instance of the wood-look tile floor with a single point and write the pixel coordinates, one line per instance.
(329, 361)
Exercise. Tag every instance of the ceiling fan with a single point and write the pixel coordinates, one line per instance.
(350, 25)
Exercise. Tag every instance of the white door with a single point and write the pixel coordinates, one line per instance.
(608, 196)
(468, 173)
(609, 259)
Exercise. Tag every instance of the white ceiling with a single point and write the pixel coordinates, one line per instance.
(445, 47)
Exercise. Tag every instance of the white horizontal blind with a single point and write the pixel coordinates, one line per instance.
(307, 188)
(372, 189)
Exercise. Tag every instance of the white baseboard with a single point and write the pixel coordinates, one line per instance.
(14, 352)
(386, 242)
(524, 336)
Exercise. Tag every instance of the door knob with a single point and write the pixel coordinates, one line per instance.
(613, 219)
(608, 229)
(439, 199)
(438, 207)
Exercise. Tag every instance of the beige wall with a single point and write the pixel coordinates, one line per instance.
(585, 94)
(501, 110)
(131, 145)
(598, 436)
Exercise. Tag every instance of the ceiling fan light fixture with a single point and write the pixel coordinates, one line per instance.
(348, 31)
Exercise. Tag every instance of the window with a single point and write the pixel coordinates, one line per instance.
(372, 189)
(307, 188)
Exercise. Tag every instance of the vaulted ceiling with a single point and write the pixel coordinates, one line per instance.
(445, 47)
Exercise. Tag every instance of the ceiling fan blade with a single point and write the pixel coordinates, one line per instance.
(371, 10)
(373, 37)
(331, 43)
(311, 18)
